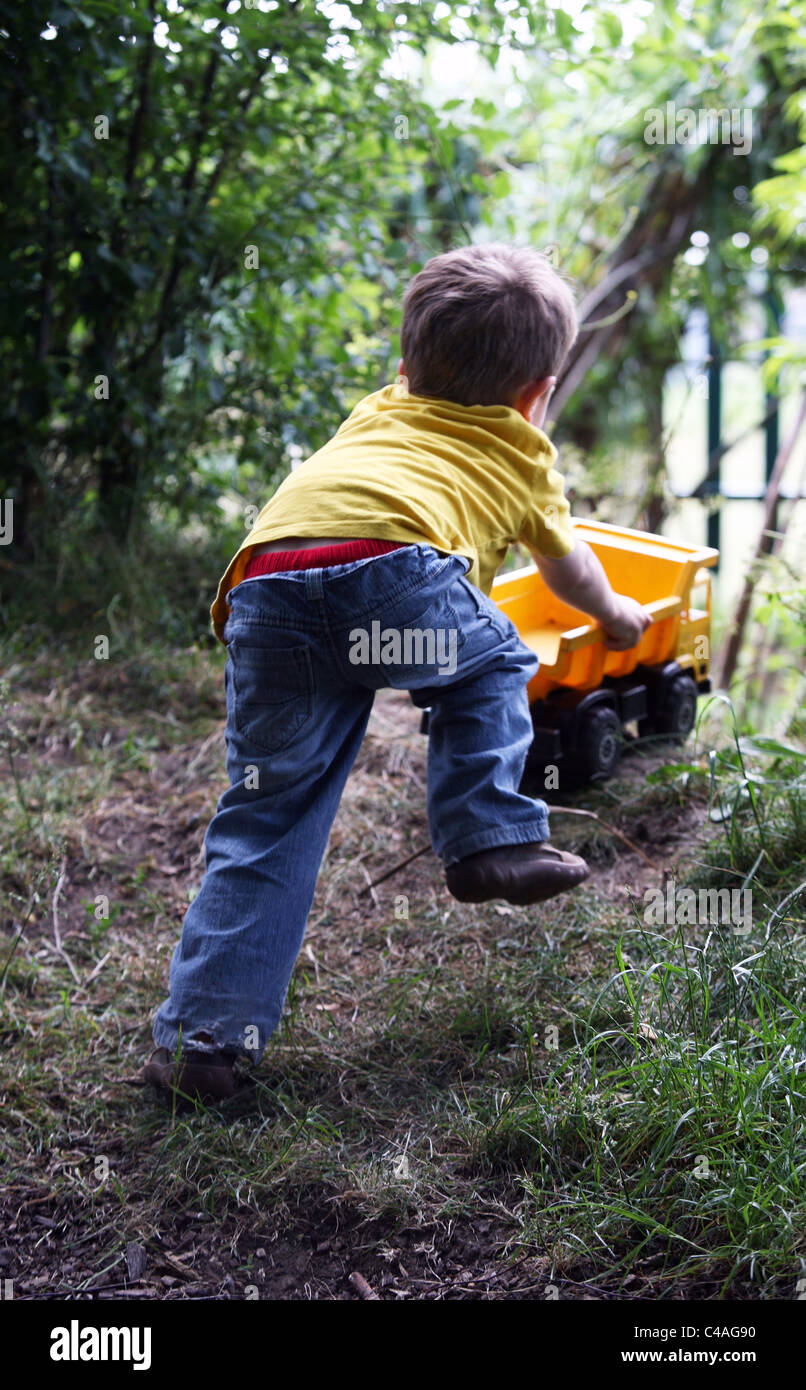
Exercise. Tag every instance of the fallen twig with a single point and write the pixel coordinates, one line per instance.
(396, 869)
(93, 975)
(573, 811)
(370, 886)
(554, 811)
(362, 1288)
(57, 936)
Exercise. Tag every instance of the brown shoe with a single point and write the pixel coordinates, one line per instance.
(520, 874)
(197, 1076)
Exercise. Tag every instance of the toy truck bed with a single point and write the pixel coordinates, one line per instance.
(583, 693)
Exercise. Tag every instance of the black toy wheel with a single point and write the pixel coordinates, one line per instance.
(678, 709)
(599, 744)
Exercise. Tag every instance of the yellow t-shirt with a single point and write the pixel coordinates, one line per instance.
(468, 480)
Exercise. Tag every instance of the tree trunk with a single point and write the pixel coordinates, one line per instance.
(643, 257)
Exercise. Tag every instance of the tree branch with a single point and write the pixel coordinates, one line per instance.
(642, 257)
(730, 655)
(138, 121)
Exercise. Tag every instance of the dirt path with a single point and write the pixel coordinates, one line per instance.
(137, 837)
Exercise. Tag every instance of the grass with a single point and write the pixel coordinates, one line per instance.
(603, 1104)
(673, 1128)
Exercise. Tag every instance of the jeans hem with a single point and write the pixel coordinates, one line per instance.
(169, 1039)
(493, 839)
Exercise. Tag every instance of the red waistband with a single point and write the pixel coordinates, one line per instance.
(317, 558)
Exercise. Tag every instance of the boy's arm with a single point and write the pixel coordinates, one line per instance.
(579, 580)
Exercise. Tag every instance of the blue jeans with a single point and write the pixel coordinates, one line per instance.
(307, 650)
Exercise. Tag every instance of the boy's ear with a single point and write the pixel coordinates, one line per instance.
(532, 400)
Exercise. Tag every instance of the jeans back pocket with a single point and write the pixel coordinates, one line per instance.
(272, 691)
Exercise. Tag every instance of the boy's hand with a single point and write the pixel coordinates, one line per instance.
(627, 624)
(579, 579)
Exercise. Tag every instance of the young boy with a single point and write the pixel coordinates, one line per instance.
(371, 566)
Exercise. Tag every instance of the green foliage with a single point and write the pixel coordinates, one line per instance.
(198, 268)
(230, 259)
(583, 177)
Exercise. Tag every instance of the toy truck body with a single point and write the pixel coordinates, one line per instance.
(584, 694)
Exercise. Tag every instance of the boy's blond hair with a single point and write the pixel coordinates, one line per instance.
(482, 321)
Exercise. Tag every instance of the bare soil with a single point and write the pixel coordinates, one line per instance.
(145, 833)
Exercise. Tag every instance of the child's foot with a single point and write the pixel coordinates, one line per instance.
(520, 874)
(196, 1076)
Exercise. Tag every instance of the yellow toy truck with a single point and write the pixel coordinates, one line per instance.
(583, 695)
